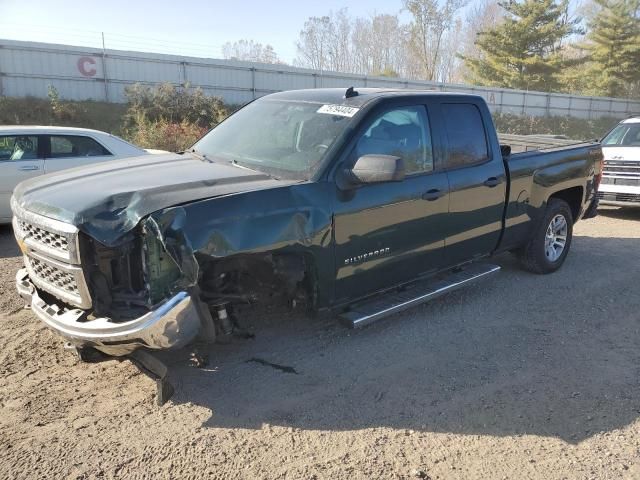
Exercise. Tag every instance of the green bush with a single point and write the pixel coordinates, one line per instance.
(175, 105)
(170, 118)
(165, 135)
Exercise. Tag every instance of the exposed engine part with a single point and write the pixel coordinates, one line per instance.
(116, 279)
(253, 279)
(226, 326)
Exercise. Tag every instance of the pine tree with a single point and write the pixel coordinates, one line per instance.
(613, 47)
(523, 51)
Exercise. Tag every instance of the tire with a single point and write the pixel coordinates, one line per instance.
(543, 254)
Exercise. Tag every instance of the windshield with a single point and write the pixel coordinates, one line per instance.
(624, 135)
(280, 138)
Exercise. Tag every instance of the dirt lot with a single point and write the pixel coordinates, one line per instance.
(520, 377)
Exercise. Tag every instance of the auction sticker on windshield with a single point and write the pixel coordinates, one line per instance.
(341, 110)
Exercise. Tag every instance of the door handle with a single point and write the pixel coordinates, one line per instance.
(432, 195)
(492, 182)
(28, 168)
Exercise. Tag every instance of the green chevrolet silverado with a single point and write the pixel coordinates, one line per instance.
(359, 203)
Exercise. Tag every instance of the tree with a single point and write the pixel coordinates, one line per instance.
(249, 51)
(480, 17)
(613, 47)
(431, 23)
(325, 43)
(379, 46)
(313, 43)
(524, 51)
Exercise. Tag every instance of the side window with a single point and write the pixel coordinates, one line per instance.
(75, 146)
(18, 147)
(403, 132)
(465, 133)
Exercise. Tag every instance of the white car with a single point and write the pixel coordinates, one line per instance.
(620, 184)
(27, 152)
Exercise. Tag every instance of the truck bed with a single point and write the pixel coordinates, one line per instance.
(530, 171)
(527, 143)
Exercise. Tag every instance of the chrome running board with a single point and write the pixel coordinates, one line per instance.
(368, 311)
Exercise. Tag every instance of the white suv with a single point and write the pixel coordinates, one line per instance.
(621, 174)
(27, 152)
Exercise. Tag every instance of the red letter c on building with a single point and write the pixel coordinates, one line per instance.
(83, 67)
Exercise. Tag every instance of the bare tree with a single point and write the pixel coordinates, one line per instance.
(388, 40)
(249, 51)
(448, 68)
(383, 45)
(480, 17)
(432, 21)
(362, 50)
(339, 42)
(313, 43)
(326, 42)
(378, 45)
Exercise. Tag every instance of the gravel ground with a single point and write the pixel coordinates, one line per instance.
(520, 377)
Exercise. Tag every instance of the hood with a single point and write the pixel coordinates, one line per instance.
(621, 153)
(107, 200)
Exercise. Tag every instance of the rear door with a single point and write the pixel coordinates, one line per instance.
(477, 181)
(388, 233)
(69, 151)
(21, 158)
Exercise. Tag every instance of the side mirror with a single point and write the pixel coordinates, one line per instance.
(376, 169)
(505, 150)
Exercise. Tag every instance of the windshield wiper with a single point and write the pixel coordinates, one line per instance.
(200, 155)
(235, 163)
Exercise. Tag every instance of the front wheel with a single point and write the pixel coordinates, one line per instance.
(547, 249)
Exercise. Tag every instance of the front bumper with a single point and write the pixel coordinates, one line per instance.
(619, 195)
(172, 325)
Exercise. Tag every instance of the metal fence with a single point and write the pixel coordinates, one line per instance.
(82, 73)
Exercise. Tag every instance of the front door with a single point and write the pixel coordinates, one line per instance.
(20, 159)
(389, 233)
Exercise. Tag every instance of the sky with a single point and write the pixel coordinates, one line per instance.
(188, 27)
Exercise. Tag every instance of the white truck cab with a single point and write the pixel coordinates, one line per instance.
(620, 184)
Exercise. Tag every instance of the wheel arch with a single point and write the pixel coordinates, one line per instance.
(574, 196)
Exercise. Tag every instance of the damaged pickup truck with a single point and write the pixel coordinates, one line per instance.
(358, 203)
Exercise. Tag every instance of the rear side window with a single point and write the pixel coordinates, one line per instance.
(465, 134)
(75, 146)
(18, 147)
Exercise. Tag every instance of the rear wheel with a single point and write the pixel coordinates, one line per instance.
(549, 245)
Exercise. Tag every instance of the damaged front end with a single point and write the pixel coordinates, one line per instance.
(158, 284)
(113, 299)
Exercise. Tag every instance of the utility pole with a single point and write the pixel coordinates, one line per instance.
(104, 70)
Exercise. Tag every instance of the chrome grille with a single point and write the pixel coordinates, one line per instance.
(52, 256)
(619, 197)
(53, 238)
(59, 279)
(623, 169)
(54, 276)
(44, 237)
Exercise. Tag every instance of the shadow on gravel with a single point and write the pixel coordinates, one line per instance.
(521, 354)
(8, 246)
(630, 213)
